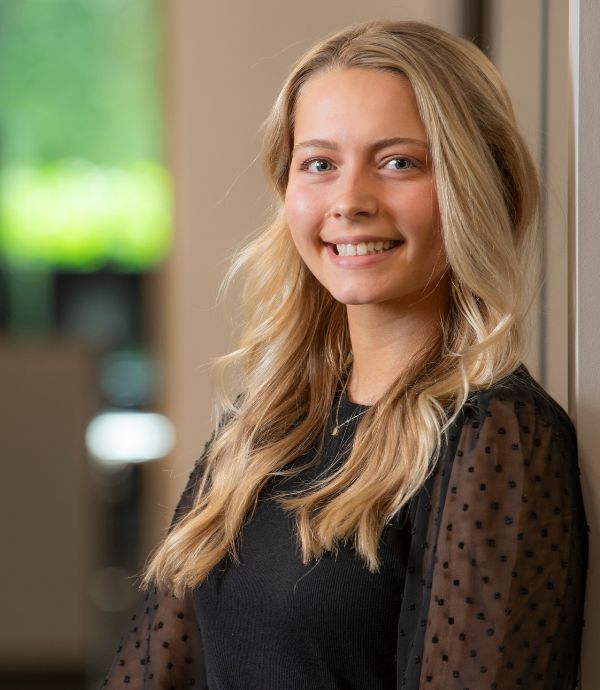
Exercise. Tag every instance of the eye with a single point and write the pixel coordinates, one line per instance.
(399, 163)
(317, 165)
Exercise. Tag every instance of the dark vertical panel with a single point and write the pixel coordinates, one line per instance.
(543, 167)
(475, 23)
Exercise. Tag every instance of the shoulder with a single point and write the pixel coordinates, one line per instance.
(513, 438)
(517, 409)
(518, 394)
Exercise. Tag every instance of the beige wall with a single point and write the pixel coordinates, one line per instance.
(529, 46)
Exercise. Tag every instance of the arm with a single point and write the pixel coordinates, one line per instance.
(509, 571)
(162, 647)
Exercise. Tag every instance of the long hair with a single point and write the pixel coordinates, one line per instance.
(294, 348)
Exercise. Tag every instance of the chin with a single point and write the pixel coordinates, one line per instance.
(355, 299)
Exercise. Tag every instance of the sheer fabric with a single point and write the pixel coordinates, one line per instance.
(162, 648)
(499, 554)
(497, 563)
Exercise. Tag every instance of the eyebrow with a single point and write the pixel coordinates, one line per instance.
(381, 144)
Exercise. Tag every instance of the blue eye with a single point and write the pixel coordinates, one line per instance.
(400, 163)
(317, 165)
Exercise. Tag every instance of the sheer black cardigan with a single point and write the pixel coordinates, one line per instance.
(496, 573)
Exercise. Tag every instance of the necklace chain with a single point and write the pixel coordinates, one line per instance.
(338, 425)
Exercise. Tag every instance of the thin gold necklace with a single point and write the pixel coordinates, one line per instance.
(338, 425)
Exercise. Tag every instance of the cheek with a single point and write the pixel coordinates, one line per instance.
(425, 216)
(302, 212)
(427, 204)
(426, 231)
(438, 259)
(436, 225)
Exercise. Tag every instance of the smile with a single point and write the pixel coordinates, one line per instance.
(364, 248)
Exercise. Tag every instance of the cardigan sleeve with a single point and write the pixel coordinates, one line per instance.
(508, 569)
(162, 647)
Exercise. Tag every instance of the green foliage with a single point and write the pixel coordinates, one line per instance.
(81, 134)
(79, 215)
(79, 78)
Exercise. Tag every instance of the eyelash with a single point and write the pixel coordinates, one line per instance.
(402, 158)
(306, 164)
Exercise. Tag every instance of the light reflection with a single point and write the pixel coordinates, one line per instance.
(129, 437)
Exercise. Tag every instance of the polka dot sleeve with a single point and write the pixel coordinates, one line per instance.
(507, 575)
(162, 648)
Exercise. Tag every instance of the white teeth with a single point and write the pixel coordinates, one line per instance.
(364, 248)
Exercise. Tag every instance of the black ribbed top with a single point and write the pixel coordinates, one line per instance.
(329, 624)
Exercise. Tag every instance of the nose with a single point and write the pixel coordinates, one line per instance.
(353, 196)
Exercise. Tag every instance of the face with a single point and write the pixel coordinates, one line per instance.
(361, 203)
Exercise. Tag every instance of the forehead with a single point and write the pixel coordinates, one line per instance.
(359, 103)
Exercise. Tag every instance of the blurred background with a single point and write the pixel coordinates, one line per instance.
(129, 173)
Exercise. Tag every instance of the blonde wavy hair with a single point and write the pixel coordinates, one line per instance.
(295, 349)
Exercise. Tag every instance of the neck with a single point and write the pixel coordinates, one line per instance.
(384, 339)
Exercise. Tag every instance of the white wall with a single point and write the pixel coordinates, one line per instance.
(584, 216)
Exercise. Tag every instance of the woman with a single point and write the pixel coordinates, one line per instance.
(390, 500)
